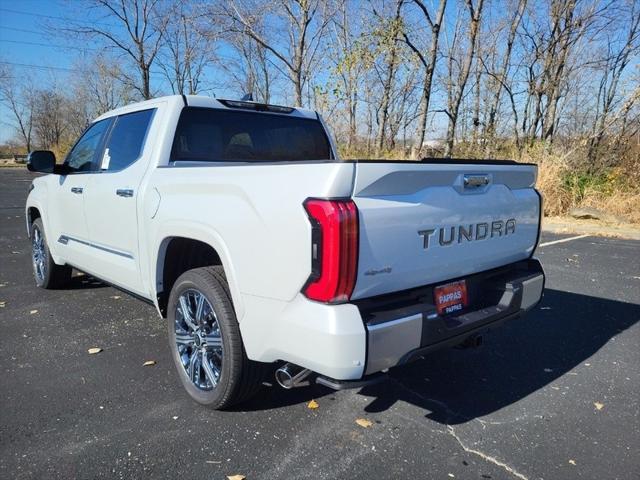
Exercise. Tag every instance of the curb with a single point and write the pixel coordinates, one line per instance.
(594, 228)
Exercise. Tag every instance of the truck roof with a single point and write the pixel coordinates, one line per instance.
(203, 101)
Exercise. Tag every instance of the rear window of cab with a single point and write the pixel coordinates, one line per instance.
(221, 135)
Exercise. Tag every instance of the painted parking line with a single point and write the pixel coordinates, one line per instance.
(562, 240)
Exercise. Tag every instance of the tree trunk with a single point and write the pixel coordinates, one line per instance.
(502, 74)
(146, 90)
(454, 105)
(430, 67)
(388, 82)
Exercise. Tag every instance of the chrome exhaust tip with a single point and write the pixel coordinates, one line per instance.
(290, 375)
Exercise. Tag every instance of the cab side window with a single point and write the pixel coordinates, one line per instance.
(126, 141)
(82, 157)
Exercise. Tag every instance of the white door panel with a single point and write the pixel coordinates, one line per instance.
(111, 202)
(113, 224)
(67, 223)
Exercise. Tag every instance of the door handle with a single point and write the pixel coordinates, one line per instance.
(77, 190)
(124, 192)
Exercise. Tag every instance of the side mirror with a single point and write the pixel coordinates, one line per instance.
(43, 161)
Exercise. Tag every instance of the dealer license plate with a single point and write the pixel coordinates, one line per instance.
(450, 298)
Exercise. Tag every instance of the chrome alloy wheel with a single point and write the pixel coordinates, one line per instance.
(198, 339)
(38, 255)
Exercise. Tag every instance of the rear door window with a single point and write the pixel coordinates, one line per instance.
(217, 135)
(126, 141)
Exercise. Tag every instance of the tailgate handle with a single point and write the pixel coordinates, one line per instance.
(475, 181)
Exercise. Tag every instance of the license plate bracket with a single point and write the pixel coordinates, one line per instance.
(451, 297)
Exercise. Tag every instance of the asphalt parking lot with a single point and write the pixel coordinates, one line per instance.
(553, 395)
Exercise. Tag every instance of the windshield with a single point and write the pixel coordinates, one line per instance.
(216, 135)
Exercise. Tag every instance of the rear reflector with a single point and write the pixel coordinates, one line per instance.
(334, 250)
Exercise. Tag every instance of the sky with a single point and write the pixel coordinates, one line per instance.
(29, 47)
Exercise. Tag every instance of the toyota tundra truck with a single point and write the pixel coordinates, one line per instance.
(264, 251)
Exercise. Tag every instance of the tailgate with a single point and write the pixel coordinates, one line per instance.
(427, 223)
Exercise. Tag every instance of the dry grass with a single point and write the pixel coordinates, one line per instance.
(622, 204)
(564, 186)
(557, 198)
(563, 177)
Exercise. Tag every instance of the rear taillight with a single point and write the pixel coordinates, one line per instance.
(334, 249)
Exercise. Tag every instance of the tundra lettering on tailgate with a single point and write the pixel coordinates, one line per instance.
(470, 233)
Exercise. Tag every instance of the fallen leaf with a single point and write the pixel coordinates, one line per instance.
(236, 477)
(572, 462)
(312, 405)
(598, 405)
(149, 363)
(32, 312)
(94, 350)
(363, 422)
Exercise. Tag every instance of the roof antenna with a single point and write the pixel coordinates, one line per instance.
(248, 97)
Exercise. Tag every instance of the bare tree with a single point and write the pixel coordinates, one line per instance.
(20, 102)
(304, 22)
(387, 34)
(612, 69)
(428, 63)
(351, 59)
(457, 86)
(500, 77)
(49, 118)
(186, 52)
(250, 68)
(144, 23)
(100, 87)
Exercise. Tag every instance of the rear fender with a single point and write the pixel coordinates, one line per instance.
(203, 234)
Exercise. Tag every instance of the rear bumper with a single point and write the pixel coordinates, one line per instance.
(355, 340)
(405, 326)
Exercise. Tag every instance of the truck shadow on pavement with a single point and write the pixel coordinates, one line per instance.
(84, 282)
(517, 359)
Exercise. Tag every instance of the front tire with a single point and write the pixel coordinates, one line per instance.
(46, 272)
(205, 341)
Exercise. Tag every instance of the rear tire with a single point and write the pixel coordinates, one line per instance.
(46, 272)
(206, 345)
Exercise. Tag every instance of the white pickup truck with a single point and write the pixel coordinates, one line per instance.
(264, 250)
